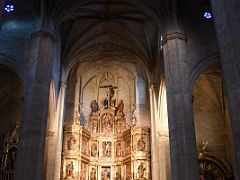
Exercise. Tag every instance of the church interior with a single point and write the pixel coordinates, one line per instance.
(119, 90)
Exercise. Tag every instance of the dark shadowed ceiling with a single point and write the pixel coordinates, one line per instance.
(121, 30)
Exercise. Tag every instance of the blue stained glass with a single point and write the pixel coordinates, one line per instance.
(9, 8)
(207, 14)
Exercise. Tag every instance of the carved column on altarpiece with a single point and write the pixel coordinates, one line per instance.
(71, 156)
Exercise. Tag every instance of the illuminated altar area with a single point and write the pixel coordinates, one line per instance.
(104, 139)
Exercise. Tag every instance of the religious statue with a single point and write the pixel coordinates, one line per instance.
(110, 94)
(118, 173)
(118, 150)
(141, 170)
(105, 174)
(93, 174)
(69, 169)
(94, 127)
(94, 150)
(107, 149)
(85, 146)
(105, 103)
(120, 106)
(94, 106)
(107, 124)
(71, 144)
(141, 144)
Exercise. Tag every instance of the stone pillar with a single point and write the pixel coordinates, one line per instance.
(51, 136)
(227, 23)
(183, 149)
(159, 135)
(154, 151)
(2, 4)
(58, 146)
(30, 159)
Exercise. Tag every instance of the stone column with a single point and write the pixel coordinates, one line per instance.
(30, 159)
(58, 146)
(159, 135)
(2, 4)
(227, 22)
(154, 152)
(183, 149)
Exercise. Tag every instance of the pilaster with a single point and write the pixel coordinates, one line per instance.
(30, 160)
(227, 22)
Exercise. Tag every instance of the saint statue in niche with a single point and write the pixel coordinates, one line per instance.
(118, 173)
(93, 174)
(94, 127)
(85, 145)
(141, 144)
(105, 103)
(106, 174)
(94, 150)
(120, 107)
(69, 169)
(94, 106)
(118, 149)
(107, 149)
(141, 170)
(107, 124)
(71, 143)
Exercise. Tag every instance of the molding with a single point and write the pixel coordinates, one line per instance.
(175, 35)
(62, 84)
(37, 34)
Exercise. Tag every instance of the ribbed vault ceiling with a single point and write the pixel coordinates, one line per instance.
(121, 30)
(116, 31)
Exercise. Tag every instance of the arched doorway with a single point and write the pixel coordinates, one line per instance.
(11, 104)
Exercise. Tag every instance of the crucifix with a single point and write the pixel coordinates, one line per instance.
(110, 94)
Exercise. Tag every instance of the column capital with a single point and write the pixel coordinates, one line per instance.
(43, 34)
(174, 35)
(152, 86)
(62, 84)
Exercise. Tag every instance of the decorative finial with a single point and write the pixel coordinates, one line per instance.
(201, 148)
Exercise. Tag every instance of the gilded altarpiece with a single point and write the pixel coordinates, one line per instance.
(106, 148)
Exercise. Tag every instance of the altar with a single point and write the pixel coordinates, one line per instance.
(106, 147)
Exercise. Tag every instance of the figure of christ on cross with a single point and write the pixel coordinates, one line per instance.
(110, 94)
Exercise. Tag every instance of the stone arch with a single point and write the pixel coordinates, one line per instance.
(11, 105)
(211, 116)
(202, 66)
(9, 63)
